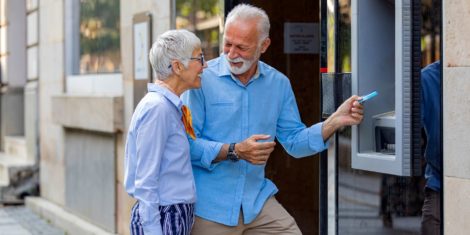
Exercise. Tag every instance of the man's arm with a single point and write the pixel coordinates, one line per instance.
(300, 141)
(203, 152)
(250, 150)
(296, 138)
(349, 113)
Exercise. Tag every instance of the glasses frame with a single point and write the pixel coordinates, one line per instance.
(200, 58)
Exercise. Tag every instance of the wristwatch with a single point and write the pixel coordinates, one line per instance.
(231, 154)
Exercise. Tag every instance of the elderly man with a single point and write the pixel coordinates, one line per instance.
(157, 166)
(242, 106)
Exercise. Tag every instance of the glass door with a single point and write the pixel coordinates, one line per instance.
(361, 201)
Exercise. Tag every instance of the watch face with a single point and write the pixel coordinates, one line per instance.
(232, 156)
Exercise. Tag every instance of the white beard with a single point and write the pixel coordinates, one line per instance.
(246, 64)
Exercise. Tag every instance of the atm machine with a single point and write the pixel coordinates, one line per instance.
(385, 57)
(385, 52)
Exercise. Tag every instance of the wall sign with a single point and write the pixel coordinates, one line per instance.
(142, 43)
(301, 38)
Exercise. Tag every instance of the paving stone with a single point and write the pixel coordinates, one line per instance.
(19, 220)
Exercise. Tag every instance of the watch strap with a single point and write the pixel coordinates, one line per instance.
(231, 154)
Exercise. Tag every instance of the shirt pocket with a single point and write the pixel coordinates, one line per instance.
(222, 102)
(221, 113)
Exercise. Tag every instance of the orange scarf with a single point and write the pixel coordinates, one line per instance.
(188, 121)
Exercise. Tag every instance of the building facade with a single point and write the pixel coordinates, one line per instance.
(72, 74)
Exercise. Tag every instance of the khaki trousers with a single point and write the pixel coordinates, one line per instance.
(273, 219)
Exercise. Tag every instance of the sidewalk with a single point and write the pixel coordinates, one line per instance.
(19, 220)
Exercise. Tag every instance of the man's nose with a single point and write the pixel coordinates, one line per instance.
(232, 53)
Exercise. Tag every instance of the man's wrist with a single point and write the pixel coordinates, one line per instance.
(232, 153)
(329, 126)
(333, 122)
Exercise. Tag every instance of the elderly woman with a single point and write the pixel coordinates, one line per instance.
(157, 166)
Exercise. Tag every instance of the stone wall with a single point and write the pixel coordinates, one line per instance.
(51, 72)
(456, 114)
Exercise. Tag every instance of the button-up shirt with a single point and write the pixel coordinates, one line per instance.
(157, 162)
(227, 111)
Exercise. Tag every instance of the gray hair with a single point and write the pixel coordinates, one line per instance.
(172, 45)
(249, 12)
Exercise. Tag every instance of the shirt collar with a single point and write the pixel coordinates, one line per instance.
(224, 68)
(174, 99)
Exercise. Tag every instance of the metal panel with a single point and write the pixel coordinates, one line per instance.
(382, 36)
(90, 176)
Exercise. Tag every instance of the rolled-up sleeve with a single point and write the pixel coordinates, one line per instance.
(295, 137)
(315, 138)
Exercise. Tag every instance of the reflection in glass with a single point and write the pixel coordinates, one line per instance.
(344, 46)
(99, 36)
(374, 203)
(205, 19)
(330, 21)
(430, 32)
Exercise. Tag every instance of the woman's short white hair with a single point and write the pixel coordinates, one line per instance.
(248, 12)
(172, 45)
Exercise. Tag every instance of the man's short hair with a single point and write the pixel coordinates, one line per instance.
(248, 12)
(172, 45)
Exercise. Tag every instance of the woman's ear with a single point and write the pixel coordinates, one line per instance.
(177, 67)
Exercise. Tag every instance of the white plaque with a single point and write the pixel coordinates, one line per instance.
(141, 45)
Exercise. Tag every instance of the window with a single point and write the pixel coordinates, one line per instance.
(92, 50)
(99, 37)
(205, 19)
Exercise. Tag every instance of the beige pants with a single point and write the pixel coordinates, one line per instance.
(273, 219)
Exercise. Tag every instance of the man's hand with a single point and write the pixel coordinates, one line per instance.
(349, 113)
(253, 151)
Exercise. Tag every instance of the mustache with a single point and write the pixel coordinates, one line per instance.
(236, 60)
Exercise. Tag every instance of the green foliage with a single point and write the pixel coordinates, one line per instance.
(187, 7)
(99, 26)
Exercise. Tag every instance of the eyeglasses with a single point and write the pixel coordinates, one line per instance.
(200, 58)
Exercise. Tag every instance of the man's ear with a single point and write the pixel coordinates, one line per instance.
(265, 44)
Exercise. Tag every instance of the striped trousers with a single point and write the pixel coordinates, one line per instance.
(176, 219)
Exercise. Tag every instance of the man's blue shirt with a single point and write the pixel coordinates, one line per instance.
(431, 120)
(226, 111)
(157, 164)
